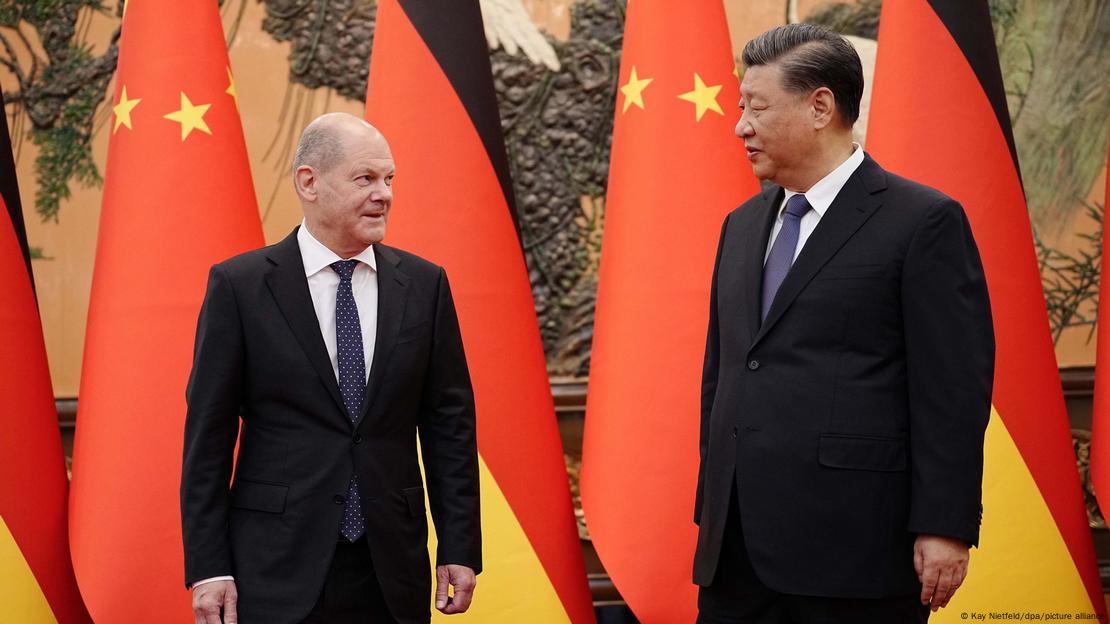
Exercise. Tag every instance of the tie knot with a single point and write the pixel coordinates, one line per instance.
(797, 206)
(345, 268)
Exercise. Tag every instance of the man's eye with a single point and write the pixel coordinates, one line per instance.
(389, 181)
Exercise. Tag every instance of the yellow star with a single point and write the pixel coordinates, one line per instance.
(190, 117)
(633, 90)
(123, 109)
(231, 87)
(736, 72)
(704, 97)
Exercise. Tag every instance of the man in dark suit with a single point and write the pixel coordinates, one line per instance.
(848, 367)
(335, 352)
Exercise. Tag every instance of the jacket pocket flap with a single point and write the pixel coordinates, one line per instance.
(413, 332)
(851, 271)
(269, 497)
(862, 453)
(414, 496)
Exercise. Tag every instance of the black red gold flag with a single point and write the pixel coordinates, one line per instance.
(939, 116)
(431, 94)
(38, 584)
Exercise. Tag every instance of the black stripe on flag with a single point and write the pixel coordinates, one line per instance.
(453, 32)
(9, 189)
(969, 23)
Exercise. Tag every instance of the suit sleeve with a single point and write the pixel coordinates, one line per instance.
(214, 397)
(448, 440)
(949, 346)
(709, 372)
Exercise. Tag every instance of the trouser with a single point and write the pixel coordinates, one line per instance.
(351, 593)
(737, 596)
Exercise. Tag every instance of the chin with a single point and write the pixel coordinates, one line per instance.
(762, 172)
(375, 236)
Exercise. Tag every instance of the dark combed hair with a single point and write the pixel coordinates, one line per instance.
(812, 56)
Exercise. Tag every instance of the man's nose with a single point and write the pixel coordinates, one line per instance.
(743, 128)
(382, 193)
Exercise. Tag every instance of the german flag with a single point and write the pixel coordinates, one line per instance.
(38, 584)
(939, 116)
(431, 93)
(178, 198)
(676, 170)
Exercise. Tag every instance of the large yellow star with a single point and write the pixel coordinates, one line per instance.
(123, 109)
(190, 117)
(231, 87)
(633, 90)
(704, 97)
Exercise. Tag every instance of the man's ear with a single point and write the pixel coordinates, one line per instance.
(304, 180)
(824, 107)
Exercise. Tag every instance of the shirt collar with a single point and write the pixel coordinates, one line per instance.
(317, 257)
(821, 195)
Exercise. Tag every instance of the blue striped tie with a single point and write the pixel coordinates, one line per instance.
(352, 381)
(782, 251)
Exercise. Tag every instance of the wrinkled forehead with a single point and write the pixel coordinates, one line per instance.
(760, 80)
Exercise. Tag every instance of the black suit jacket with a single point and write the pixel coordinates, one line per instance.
(852, 418)
(260, 357)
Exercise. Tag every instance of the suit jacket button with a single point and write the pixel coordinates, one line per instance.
(735, 431)
(358, 438)
(339, 500)
(753, 365)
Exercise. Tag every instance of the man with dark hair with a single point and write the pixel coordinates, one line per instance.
(848, 367)
(334, 352)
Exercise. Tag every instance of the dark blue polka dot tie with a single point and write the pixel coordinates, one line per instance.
(352, 381)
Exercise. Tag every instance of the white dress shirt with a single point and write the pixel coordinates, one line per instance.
(820, 196)
(323, 282)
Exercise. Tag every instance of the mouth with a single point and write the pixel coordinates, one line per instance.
(374, 216)
(752, 152)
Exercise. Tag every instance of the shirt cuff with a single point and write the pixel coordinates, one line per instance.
(212, 580)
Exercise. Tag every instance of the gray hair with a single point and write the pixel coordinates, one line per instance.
(320, 147)
(812, 56)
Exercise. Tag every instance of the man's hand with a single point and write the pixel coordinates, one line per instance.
(941, 564)
(462, 579)
(209, 598)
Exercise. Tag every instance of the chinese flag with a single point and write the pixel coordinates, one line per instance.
(38, 584)
(431, 94)
(676, 170)
(1100, 415)
(177, 198)
(939, 116)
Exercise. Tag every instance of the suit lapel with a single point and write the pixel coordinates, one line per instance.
(855, 203)
(289, 286)
(392, 291)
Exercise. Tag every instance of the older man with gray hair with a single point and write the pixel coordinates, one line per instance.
(327, 355)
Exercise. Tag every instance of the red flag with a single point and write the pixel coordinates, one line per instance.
(939, 116)
(676, 170)
(431, 94)
(1100, 413)
(38, 583)
(178, 197)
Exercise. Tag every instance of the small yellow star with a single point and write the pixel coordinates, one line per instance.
(736, 72)
(633, 90)
(704, 97)
(231, 87)
(123, 109)
(190, 117)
